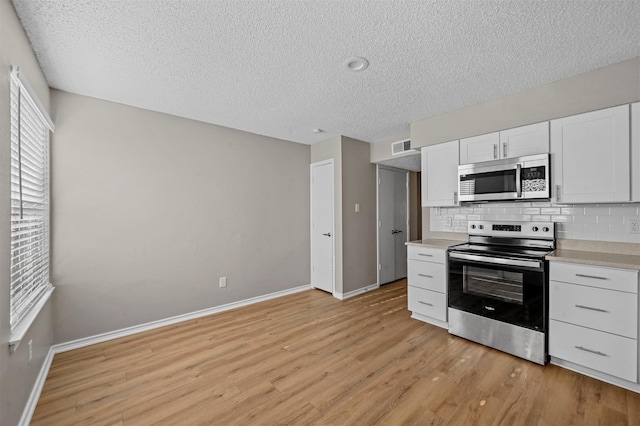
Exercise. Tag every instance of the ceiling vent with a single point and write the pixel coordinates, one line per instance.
(401, 147)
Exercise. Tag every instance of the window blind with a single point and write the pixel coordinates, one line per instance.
(29, 200)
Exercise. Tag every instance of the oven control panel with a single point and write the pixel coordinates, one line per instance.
(543, 230)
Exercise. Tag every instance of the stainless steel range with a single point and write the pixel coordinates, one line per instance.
(498, 286)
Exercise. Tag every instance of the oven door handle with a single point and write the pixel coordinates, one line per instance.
(496, 260)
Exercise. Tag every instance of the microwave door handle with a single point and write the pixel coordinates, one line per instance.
(518, 181)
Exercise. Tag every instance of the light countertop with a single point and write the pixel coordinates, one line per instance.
(596, 258)
(611, 260)
(434, 243)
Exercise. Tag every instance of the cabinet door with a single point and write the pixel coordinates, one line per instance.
(440, 175)
(590, 156)
(635, 151)
(608, 353)
(525, 140)
(480, 148)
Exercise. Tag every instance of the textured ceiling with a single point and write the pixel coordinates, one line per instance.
(277, 67)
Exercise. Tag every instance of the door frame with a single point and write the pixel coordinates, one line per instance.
(333, 221)
(406, 172)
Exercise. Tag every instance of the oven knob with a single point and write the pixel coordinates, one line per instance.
(545, 229)
(534, 229)
(473, 227)
(480, 226)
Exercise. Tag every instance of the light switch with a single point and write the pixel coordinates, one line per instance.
(357, 207)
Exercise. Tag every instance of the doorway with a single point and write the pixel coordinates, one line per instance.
(393, 223)
(322, 226)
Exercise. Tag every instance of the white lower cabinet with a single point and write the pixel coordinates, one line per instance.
(427, 284)
(605, 352)
(593, 320)
(426, 302)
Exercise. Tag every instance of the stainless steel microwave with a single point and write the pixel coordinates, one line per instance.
(521, 178)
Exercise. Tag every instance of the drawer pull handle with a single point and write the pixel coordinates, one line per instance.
(591, 309)
(591, 276)
(591, 351)
(423, 254)
(425, 275)
(425, 303)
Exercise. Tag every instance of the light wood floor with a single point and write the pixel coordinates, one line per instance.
(311, 359)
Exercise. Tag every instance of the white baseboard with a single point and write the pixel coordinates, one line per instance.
(343, 296)
(635, 387)
(430, 320)
(32, 402)
(92, 340)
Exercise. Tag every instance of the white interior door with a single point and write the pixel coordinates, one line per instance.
(322, 232)
(386, 222)
(392, 230)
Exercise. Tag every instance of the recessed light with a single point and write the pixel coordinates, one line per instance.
(317, 130)
(356, 64)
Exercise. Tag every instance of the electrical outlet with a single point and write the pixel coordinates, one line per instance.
(634, 226)
(223, 282)
(30, 350)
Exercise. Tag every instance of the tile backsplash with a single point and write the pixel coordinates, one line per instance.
(597, 222)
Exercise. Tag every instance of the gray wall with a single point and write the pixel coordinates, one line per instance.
(151, 209)
(613, 85)
(354, 182)
(381, 150)
(17, 374)
(359, 229)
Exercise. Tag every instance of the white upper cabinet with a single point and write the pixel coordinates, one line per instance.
(525, 140)
(635, 151)
(440, 175)
(517, 142)
(590, 157)
(480, 148)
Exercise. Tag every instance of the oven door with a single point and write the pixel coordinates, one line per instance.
(505, 289)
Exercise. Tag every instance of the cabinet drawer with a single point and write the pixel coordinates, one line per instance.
(427, 275)
(606, 310)
(600, 351)
(595, 276)
(427, 254)
(427, 302)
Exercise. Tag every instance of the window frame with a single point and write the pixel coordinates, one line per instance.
(30, 128)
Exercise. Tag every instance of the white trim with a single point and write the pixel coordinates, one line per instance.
(635, 387)
(19, 76)
(343, 296)
(407, 236)
(378, 223)
(333, 220)
(32, 402)
(408, 210)
(24, 324)
(104, 337)
(430, 320)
